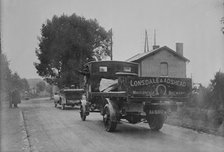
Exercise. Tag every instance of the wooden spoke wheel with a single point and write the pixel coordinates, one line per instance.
(110, 125)
(82, 113)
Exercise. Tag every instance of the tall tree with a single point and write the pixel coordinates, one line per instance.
(9, 80)
(16, 81)
(49, 89)
(25, 85)
(217, 89)
(5, 74)
(66, 43)
(41, 86)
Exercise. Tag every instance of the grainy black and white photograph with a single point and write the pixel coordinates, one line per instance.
(112, 76)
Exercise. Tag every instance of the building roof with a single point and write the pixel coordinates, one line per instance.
(141, 56)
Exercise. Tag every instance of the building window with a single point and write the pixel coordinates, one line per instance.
(127, 69)
(164, 69)
(103, 69)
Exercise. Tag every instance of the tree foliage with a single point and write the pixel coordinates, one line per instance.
(10, 80)
(41, 86)
(5, 74)
(25, 85)
(49, 89)
(211, 97)
(66, 43)
(217, 90)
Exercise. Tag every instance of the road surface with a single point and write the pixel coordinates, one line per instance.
(51, 129)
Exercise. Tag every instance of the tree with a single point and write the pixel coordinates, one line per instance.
(49, 89)
(66, 43)
(9, 80)
(16, 81)
(5, 74)
(25, 85)
(41, 86)
(217, 89)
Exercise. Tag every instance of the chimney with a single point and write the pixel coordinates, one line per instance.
(155, 47)
(179, 48)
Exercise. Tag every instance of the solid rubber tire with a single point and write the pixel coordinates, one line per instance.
(109, 125)
(156, 122)
(82, 114)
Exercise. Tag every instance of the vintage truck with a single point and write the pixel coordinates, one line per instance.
(69, 97)
(115, 88)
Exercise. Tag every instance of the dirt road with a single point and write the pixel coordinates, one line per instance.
(52, 129)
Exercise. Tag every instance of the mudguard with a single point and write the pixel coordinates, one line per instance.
(113, 108)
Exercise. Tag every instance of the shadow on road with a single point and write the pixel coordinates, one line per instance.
(133, 130)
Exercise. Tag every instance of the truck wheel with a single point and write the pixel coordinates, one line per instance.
(156, 121)
(110, 125)
(63, 107)
(82, 113)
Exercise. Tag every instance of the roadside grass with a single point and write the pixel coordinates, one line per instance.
(201, 120)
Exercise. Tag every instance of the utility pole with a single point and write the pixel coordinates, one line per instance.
(111, 45)
(146, 47)
(222, 20)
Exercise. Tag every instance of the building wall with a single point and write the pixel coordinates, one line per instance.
(150, 66)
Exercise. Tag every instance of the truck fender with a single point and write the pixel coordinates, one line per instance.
(113, 108)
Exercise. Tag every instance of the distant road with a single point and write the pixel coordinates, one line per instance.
(54, 130)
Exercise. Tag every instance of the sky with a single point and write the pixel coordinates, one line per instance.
(195, 23)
